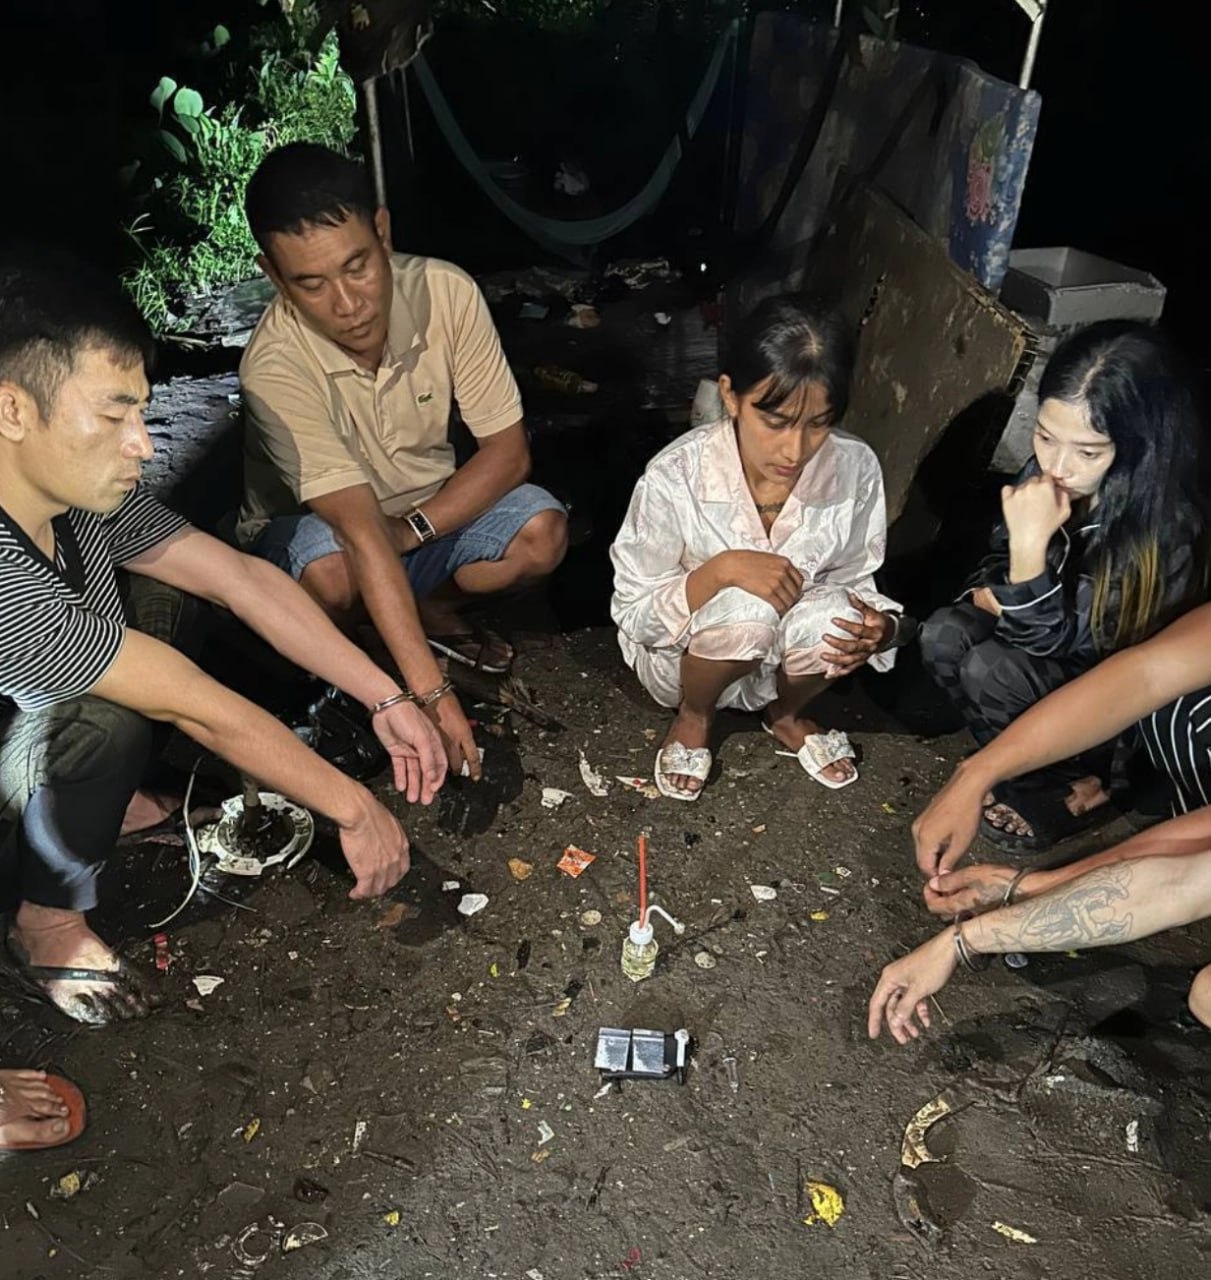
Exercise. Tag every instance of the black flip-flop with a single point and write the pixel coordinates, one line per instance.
(468, 648)
(1050, 819)
(121, 984)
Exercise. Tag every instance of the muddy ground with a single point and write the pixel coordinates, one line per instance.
(448, 1042)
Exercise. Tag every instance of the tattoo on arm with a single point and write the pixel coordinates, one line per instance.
(1088, 912)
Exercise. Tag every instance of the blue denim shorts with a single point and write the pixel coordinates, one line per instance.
(293, 542)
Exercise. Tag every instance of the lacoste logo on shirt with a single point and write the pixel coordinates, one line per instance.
(424, 397)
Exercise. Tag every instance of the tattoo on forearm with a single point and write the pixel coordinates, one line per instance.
(1088, 912)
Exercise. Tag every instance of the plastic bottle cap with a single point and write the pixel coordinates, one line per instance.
(641, 934)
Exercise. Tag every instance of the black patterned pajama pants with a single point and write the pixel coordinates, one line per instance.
(991, 683)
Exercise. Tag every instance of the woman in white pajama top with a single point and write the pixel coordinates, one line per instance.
(744, 570)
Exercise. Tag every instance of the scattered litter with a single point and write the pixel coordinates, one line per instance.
(520, 870)
(733, 1076)
(539, 1156)
(534, 1274)
(526, 1104)
(763, 892)
(359, 1136)
(843, 872)
(494, 970)
(596, 784)
(662, 318)
(914, 1151)
(913, 1209)
(1015, 960)
(650, 735)
(71, 1184)
(239, 1246)
(818, 916)
(575, 861)
(644, 786)
(583, 316)
(1133, 1137)
(1012, 1233)
(562, 1007)
(704, 960)
(888, 808)
(301, 1236)
(605, 1088)
(831, 890)
(533, 311)
(545, 1133)
(448, 886)
(206, 983)
(307, 1191)
(827, 1204)
(632, 1260)
(552, 797)
(556, 379)
(392, 1218)
(392, 916)
(251, 1129)
(590, 918)
(638, 273)
(195, 1005)
(163, 955)
(759, 830)
(470, 903)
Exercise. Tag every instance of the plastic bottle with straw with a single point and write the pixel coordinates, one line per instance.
(640, 948)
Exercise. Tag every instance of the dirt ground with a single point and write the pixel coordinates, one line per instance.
(437, 1045)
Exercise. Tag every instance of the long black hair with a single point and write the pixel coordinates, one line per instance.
(1134, 389)
(791, 341)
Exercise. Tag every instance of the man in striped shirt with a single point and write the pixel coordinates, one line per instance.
(79, 687)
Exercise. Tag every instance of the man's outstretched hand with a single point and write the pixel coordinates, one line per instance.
(944, 832)
(415, 747)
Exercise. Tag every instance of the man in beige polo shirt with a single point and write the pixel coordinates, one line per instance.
(350, 481)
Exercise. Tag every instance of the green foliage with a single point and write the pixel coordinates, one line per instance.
(188, 186)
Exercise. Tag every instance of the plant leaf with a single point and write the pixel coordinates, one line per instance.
(174, 145)
(188, 102)
(162, 92)
(221, 36)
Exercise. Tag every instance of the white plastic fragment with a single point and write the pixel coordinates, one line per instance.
(552, 797)
(470, 903)
(1133, 1137)
(206, 983)
(596, 784)
(763, 892)
(448, 886)
(545, 1133)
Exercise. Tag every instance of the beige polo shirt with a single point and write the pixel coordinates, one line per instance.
(316, 423)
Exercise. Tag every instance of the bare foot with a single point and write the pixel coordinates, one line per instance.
(1086, 795)
(790, 730)
(46, 936)
(1007, 819)
(693, 731)
(30, 1111)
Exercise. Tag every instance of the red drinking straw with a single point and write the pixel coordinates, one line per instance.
(643, 879)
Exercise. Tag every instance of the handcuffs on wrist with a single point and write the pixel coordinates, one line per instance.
(422, 700)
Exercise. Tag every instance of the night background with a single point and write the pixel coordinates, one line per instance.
(1119, 167)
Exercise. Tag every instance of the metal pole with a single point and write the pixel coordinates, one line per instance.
(1032, 49)
(374, 136)
(837, 13)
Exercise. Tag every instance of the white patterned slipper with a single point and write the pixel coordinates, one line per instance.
(818, 751)
(688, 762)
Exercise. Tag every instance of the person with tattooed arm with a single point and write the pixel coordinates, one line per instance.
(1107, 905)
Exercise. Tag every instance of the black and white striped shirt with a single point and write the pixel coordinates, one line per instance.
(62, 624)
